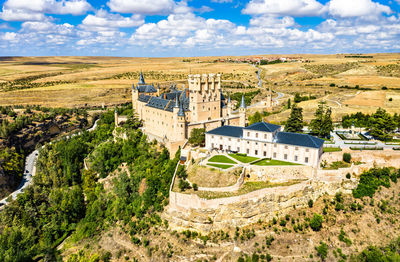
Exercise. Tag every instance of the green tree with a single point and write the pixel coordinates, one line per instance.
(322, 250)
(257, 117)
(197, 136)
(316, 222)
(322, 124)
(288, 103)
(295, 120)
(382, 125)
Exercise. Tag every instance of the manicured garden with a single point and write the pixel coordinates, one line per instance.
(243, 158)
(221, 159)
(222, 166)
(332, 149)
(274, 162)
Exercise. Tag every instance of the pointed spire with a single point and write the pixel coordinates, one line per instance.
(176, 100)
(115, 110)
(141, 79)
(181, 112)
(243, 103)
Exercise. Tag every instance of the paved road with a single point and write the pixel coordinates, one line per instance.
(30, 170)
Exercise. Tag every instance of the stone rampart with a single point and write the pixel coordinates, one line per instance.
(190, 211)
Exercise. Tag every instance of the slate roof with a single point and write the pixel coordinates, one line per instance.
(160, 103)
(263, 127)
(144, 98)
(298, 139)
(233, 131)
(146, 88)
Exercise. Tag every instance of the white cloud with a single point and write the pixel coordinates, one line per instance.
(268, 21)
(283, 7)
(356, 8)
(34, 10)
(148, 7)
(74, 7)
(9, 36)
(20, 15)
(103, 20)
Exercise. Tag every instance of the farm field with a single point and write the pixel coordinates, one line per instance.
(348, 85)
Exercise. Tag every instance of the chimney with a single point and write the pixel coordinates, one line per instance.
(187, 92)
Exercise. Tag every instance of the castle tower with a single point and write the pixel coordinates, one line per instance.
(229, 106)
(179, 121)
(242, 113)
(116, 117)
(205, 97)
(135, 97)
(141, 79)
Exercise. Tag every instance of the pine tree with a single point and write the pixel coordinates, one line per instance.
(322, 124)
(288, 103)
(295, 120)
(382, 124)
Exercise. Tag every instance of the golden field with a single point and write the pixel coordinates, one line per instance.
(91, 81)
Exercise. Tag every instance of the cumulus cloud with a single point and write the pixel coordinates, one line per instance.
(34, 10)
(148, 7)
(356, 8)
(103, 21)
(74, 7)
(21, 15)
(283, 7)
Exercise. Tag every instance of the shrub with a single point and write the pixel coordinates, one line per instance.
(310, 203)
(347, 157)
(322, 250)
(195, 187)
(348, 176)
(316, 222)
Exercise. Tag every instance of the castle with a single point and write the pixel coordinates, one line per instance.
(170, 117)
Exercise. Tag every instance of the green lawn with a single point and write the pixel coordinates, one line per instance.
(245, 188)
(332, 149)
(220, 165)
(221, 159)
(273, 162)
(243, 159)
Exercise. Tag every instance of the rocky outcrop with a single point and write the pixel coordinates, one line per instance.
(190, 211)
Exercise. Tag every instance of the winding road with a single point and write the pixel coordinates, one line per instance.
(30, 170)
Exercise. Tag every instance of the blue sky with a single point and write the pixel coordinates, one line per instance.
(197, 28)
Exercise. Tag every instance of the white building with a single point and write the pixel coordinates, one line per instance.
(266, 140)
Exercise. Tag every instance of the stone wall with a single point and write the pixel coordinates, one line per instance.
(279, 173)
(190, 211)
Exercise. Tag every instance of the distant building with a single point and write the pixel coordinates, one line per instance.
(266, 140)
(170, 117)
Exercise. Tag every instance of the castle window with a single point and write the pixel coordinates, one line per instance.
(296, 148)
(306, 160)
(229, 148)
(274, 145)
(286, 147)
(238, 149)
(256, 152)
(212, 136)
(248, 133)
(256, 135)
(295, 158)
(256, 143)
(247, 150)
(265, 153)
(307, 150)
(265, 144)
(248, 142)
(229, 139)
(285, 156)
(265, 136)
(275, 155)
(220, 137)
